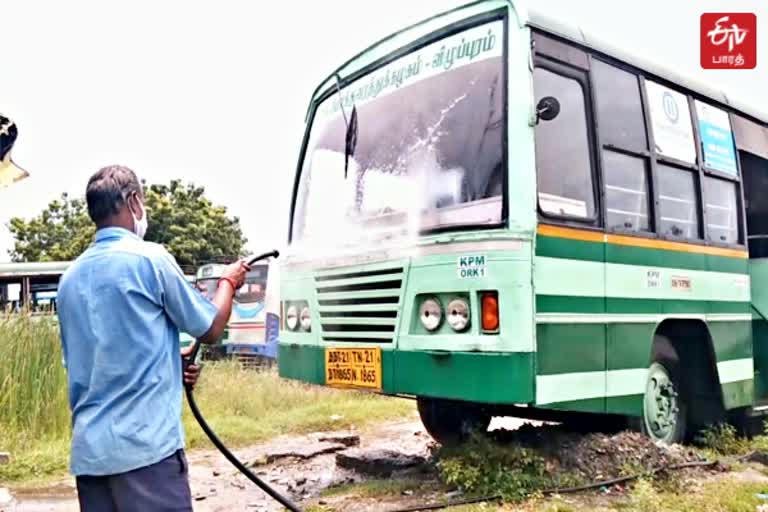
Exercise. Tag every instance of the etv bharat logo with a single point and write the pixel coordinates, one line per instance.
(728, 40)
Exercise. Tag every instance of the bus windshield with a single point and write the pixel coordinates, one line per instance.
(253, 291)
(207, 287)
(429, 150)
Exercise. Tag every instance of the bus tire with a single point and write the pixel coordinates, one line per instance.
(665, 406)
(452, 422)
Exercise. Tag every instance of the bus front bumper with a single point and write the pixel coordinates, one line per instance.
(487, 377)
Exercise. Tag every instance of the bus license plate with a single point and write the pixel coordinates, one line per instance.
(353, 367)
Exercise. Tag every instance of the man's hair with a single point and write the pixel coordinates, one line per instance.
(108, 190)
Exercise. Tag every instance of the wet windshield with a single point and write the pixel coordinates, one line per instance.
(429, 149)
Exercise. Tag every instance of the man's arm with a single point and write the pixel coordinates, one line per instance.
(225, 293)
(189, 310)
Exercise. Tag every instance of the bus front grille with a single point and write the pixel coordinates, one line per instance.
(359, 306)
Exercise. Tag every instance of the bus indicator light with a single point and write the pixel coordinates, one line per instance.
(490, 312)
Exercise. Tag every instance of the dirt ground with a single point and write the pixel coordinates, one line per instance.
(306, 467)
(303, 467)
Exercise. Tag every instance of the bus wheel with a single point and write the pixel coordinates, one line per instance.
(664, 405)
(450, 422)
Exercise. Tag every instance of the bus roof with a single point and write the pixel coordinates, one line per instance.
(539, 20)
(47, 268)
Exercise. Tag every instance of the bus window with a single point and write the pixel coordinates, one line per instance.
(254, 288)
(678, 202)
(720, 198)
(671, 123)
(626, 192)
(10, 296)
(623, 137)
(207, 287)
(250, 292)
(562, 149)
(429, 152)
(619, 108)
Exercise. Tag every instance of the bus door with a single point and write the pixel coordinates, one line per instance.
(752, 152)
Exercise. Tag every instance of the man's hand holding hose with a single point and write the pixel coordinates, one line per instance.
(229, 283)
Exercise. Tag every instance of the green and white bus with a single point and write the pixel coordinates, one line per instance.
(498, 214)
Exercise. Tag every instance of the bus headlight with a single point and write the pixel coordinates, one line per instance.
(292, 318)
(431, 314)
(305, 320)
(458, 314)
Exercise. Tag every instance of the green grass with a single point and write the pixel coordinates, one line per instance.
(35, 421)
(242, 406)
(376, 488)
(721, 495)
(485, 468)
(723, 441)
(246, 406)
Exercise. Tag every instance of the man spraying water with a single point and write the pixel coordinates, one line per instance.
(122, 304)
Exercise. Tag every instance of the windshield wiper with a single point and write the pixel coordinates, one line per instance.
(350, 136)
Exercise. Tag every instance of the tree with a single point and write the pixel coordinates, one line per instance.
(60, 233)
(194, 230)
(180, 217)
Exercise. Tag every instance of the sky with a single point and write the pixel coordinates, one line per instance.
(215, 92)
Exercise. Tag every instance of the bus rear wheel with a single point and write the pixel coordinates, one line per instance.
(452, 422)
(665, 406)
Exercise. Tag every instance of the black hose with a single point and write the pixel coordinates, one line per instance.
(234, 460)
(215, 439)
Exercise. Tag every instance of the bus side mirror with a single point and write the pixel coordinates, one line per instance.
(547, 109)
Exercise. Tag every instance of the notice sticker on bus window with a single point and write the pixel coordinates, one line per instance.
(472, 266)
(671, 121)
(716, 138)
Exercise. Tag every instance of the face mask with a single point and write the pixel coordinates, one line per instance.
(140, 226)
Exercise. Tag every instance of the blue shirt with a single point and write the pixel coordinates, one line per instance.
(121, 306)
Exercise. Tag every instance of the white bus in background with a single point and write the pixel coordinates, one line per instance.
(252, 332)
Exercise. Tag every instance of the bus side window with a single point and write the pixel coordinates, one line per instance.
(563, 155)
(624, 148)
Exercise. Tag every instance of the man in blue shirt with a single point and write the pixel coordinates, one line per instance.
(121, 306)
